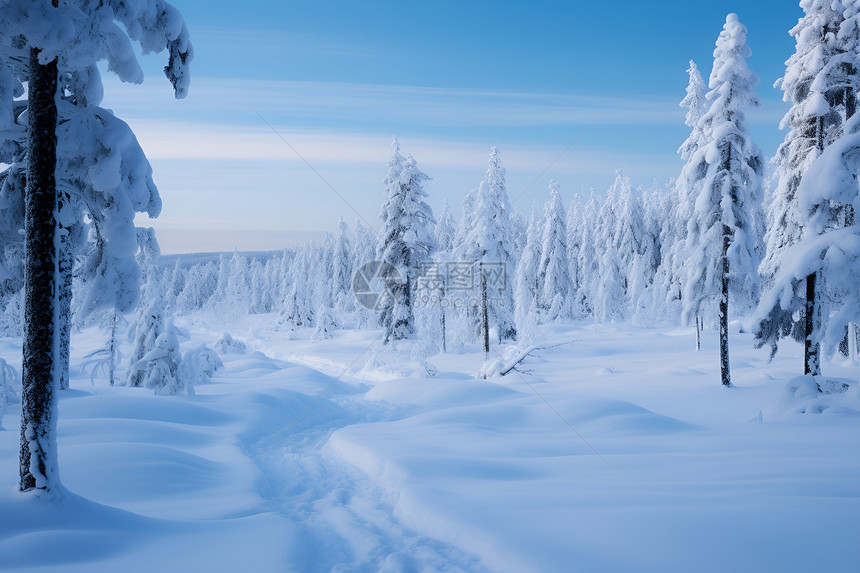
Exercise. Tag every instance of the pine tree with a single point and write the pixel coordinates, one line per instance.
(816, 83)
(827, 197)
(406, 239)
(66, 41)
(575, 226)
(488, 247)
(668, 292)
(341, 284)
(631, 241)
(587, 258)
(446, 229)
(609, 301)
(526, 288)
(296, 309)
(554, 268)
(363, 251)
(721, 235)
(150, 323)
(161, 368)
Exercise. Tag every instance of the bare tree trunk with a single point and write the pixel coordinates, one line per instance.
(725, 374)
(698, 333)
(811, 349)
(112, 357)
(37, 459)
(444, 333)
(485, 319)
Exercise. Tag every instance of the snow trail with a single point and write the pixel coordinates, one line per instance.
(348, 520)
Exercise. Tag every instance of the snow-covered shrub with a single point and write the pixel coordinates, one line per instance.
(149, 327)
(326, 325)
(229, 345)
(199, 365)
(12, 317)
(160, 369)
(9, 387)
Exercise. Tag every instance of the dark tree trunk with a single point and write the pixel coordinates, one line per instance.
(811, 361)
(485, 318)
(811, 349)
(37, 461)
(725, 375)
(64, 298)
(112, 348)
(698, 333)
(442, 308)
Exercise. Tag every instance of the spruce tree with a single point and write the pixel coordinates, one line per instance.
(554, 268)
(61, 43)
(818, 83)
(406, 239)
(672, 276)
(721, 236)
(489, 248)
(528, 267)
(827, 198)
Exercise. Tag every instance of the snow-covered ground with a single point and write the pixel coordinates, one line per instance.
(616, 450)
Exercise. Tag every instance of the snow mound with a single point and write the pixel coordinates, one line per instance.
(817, 395)
(604, 416)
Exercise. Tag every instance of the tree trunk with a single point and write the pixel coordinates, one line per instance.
(485, 318)
(852, 341)
(811, 360)
(38, 453)
(64, 298)
(444, 334)
(725, 375)
(698, 333)
(112, 357)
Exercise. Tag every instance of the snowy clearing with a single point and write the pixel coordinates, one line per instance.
(619, 451)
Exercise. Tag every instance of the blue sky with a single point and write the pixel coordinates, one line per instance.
(338, 79)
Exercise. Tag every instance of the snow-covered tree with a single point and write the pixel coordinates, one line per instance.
(721, 233)
(149, 325)
(608, 289)
(575, 234)
(199, 365)
(296, 309)
(55, 47)
(342, 270)
(820, 82)
(667, 289)
(587, 258)
(488, 247)
(160, 368)
(554, 268)
(696, 103)
(326, 325)
(672, 275)
(10, 385)
(526, 286)
(446, 229)
(631, 245)
(827, 195)
(406, 239)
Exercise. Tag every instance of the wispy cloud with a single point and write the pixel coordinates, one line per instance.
(324, 102)
(211, 141)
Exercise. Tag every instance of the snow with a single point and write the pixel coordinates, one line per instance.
(615, 450)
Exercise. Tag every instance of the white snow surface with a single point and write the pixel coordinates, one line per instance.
(615, 451)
